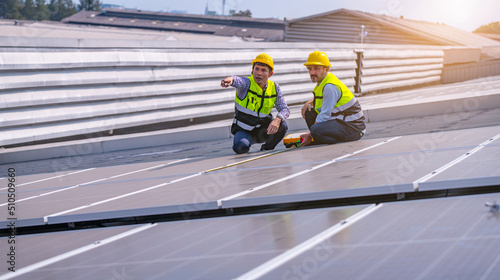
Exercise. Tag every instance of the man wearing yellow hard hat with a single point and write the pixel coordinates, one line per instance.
(333, 115)
(255, 97)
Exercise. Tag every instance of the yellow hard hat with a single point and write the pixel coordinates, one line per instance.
(266, 59)
(318, 58)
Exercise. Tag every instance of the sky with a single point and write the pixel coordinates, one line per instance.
(464, 14)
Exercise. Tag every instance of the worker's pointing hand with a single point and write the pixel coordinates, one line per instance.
(227, 82)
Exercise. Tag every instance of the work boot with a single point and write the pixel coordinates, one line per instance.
(263, 148)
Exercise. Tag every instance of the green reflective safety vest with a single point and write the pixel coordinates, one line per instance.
(347, 107)
(254, 110)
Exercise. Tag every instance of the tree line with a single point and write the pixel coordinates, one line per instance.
(44, 10)
(491, 28)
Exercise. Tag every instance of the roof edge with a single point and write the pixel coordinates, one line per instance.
(317, 15)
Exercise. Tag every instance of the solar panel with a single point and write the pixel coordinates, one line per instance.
(450, 238)
(366, 167)
(447, 238)
(207, 248)
(439, 238)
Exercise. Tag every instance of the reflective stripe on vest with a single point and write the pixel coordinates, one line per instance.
(346, 101)
(256, 105)
(244, 125)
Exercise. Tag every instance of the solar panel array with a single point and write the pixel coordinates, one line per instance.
(433, 238)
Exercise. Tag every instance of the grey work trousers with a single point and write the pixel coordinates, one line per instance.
(333, 131)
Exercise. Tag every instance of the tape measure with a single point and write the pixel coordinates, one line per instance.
(293, 139)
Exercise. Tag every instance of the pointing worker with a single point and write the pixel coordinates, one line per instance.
(255, 97)
(333, 115)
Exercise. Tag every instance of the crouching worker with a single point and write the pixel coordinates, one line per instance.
(255, 97)
(333, 115)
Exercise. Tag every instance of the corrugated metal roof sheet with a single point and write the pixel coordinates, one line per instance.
(495, 37)
(51, 29)
(416, 31)
(345, 27)
(201, 24)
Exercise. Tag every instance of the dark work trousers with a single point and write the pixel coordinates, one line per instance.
(333, 131)
(243, 139)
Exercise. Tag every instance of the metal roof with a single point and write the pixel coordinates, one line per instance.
(433, 33)
(490, 36)
(200, 24)
(53, 29)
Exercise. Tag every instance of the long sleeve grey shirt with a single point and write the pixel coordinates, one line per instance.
(331, 95)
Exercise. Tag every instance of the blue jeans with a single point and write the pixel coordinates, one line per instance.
(243, 139)
(333, 131)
